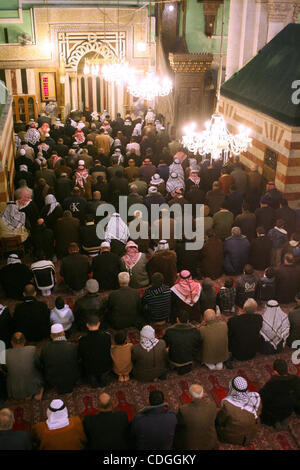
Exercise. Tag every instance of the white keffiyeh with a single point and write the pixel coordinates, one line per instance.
(116, 229)
(276, 325)
(12, 217)
(52, 202)
(147, 338)
(57, 415)
(239, 396)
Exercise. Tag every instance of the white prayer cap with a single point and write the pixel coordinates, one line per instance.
(81, 163)
(152, 190)
(22, 152)
(105, 245)
(162, 245)
(57, 328)
(174, 175)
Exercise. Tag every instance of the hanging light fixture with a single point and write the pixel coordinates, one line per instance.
(149, 87)
(216, 140)
(91, 67)
(118, 71)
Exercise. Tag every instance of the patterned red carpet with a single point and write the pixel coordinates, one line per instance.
(132, 396)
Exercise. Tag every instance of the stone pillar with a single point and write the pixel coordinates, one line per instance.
(74, 91)
(189, 88)
(260, 26)
(234, 38)
(67, 93)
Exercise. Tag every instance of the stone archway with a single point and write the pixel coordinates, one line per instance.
(104, 49)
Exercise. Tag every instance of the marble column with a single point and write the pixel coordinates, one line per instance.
(74, 91)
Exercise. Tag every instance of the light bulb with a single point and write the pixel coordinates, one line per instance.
(171, 7)
(141, 46)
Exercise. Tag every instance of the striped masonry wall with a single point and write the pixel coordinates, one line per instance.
(268, 132)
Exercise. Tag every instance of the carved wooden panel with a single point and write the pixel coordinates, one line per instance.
(210, 9)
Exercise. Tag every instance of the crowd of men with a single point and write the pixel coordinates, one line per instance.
(64, 173)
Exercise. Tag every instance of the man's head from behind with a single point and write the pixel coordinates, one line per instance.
(156, 397)
(18, 339)
(73, 248)
(209, 315)
(250, 306)
(104, 402)
(96, 195)
(157, 280)
(123, 279)
(93, 321)
(235, 231)
(248, 269)
(288, 259)
(182, 317)
(196, 391)
(216, 185)
(6, 419)
(29, 291)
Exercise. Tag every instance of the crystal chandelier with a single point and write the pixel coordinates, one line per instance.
(150, 86)
(91, 67)
(118, 72)
(216, 140)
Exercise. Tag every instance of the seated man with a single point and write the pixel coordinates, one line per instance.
(14, 277)
(214, 338)
(124, 305)
(294, 319)
(108, 429)
(10, 439)
(149, 356)
(59, 432)
(44, 275)
(246, 286)
(183, 341)
(266, 286)
(94, 352)
(195, 428)
(90, 302)
(243, 332)
(75, 269)
(238, 420)
(287, 280)
(280, 396)
(59, 361)
(32, 317)
(149, 420)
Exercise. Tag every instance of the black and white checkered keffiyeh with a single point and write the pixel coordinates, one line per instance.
(239, 396)
(276, 325)
(12, 217)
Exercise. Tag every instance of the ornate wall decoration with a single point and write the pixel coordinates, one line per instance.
(76, 44)
(281, 11)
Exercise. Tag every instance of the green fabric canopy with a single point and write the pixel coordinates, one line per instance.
(265, 82)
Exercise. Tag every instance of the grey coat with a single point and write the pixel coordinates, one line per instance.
(24, 378)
